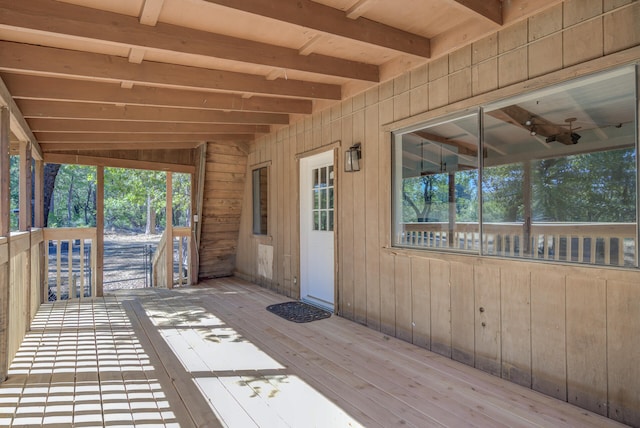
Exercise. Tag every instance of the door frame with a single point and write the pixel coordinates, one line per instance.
(334, 147)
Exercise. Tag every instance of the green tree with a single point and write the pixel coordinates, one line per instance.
(426, 198)
(590, 187)
(73, 201)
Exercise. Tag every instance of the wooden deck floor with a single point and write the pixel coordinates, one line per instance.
(213, 356)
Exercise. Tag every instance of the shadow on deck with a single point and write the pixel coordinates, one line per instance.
(213, 356)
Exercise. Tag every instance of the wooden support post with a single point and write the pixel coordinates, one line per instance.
(4, 232)
(24, 219)
(38, 221)
(4, 172)
(192, 278)
(169, 231)
(99, 243)
(38, 195)
(201, 170)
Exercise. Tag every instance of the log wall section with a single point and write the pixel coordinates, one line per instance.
(526, 322)
(222, 203)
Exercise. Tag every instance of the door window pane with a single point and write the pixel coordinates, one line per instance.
(323, 195)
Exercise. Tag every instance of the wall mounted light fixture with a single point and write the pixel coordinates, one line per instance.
(352, 158)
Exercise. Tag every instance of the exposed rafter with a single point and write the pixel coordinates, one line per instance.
(77, 22)
(151, 12)
(65, 110)
(17, 123)
(537, 125)
(309, 14)
(79, 159)
(464, 148)
(155, 70)
(79, 138)
(111, 145)
(489, 9)
(357, 9)
(62, 62)
(112, 126)
(50, 88)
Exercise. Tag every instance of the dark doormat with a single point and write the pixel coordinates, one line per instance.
(298, 312)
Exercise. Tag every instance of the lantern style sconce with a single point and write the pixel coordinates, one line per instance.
(352, 158)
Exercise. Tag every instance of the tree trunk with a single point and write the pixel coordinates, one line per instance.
(151, 218)
(87, 203)
(69, 203)
(50, 174)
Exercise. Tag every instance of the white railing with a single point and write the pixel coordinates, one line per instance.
(71, 256)
(611, 244)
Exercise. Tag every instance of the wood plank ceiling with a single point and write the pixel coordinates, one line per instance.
(144, 74)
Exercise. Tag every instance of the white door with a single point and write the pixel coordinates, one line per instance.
(316, 230)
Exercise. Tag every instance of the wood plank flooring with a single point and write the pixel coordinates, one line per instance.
(212, 355)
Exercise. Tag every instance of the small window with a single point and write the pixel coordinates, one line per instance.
(260, 198)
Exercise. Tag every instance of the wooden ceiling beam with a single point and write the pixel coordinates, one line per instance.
(49, 88)
(151, 12)
(78, 159)
(309, 14)
(112, 126)
(489, 9)
(358, 9)
(97, 146)
(65, 110)
(536, 125)
(78, 22)
(472, 30)
(17, 123)
(83, 138)
(463, 147)
(17, 57)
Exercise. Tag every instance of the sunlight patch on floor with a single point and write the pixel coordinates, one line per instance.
(243, 385)
(271, 401)
(82, 365)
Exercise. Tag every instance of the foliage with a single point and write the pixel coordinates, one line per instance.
(426, 198)
(591, 187)
(73, 202)
(126, 195)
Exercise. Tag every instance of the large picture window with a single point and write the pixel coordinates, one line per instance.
(557, 177)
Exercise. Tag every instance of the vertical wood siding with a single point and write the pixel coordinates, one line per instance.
(571, 332)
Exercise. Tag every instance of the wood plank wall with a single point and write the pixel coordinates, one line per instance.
(567, 331)
(223, 195)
